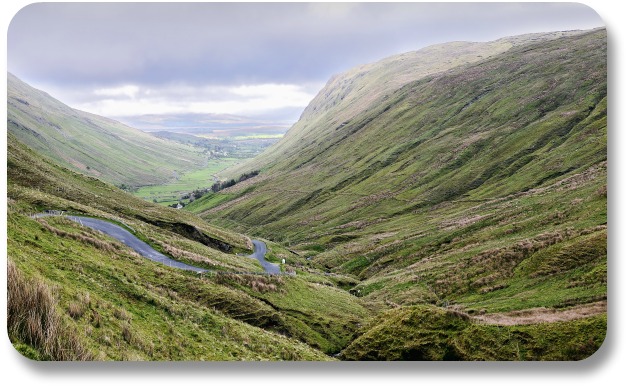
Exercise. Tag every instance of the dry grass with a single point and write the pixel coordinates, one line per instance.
(82, 237)
(258, 283)
(543, 315)
(462, 222)
(127, 333)
(95, 319)
(179, 254)
(121, 314)
(310, 220)
(32, 318)
(76, 310)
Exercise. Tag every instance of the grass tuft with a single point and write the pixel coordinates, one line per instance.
(33, 320)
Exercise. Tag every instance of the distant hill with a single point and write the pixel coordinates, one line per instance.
(470, 176)
(222, 126)
(93, 145)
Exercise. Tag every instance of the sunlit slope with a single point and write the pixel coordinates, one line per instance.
(93, 145)
(483, 186)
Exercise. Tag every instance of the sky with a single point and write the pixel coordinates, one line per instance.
(266, 61)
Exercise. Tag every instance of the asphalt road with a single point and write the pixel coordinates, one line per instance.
(141, 247)
(260, 253)
(144, 249)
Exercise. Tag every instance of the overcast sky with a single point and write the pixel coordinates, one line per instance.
(117, 59)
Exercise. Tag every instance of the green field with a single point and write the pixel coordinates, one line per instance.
(171, 192)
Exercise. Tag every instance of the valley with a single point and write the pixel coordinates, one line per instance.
(443, 204)
(179, 189)
(125, 307)
(222, 153)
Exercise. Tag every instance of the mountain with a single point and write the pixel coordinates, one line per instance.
(93, 145)
(220, 126)
(447, 204)
(469, 177)
(352, 94)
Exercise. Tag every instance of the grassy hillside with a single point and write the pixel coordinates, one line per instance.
(93, 145)
(479, 185)
(76, 294)
(429, 333)
(353, 94)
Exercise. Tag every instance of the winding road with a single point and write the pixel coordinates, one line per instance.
(259, 253)
(146, 251)
(141, 247)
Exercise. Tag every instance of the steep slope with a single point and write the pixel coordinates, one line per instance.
(361, 89)
(77, 294)
(481, 187)
(93, 145)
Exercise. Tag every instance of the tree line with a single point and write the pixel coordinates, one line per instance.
(220, 185)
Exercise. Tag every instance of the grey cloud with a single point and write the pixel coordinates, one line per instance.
(225, 43)
(185, 59)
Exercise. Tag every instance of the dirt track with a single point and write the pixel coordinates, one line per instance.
(542, 315)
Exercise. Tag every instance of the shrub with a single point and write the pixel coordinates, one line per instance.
(76, 310)
(121, 314)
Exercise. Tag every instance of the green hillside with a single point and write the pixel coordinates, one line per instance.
(430, 333)
(354, 93)
(94, 145)
(469, 177)
(76, 294)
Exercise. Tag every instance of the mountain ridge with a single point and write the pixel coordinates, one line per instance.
(93, 145)
(391, 73)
